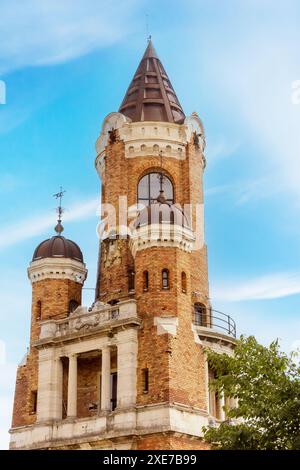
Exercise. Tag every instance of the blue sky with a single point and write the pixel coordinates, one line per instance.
(66, 65)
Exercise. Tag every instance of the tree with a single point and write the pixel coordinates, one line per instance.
(266, 384)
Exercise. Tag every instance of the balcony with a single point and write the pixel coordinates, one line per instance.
(84, 321)
(213, 323)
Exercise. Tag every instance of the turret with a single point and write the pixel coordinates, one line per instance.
(57, 273)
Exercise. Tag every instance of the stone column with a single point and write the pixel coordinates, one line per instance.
(105, 380)
(72, 386)
(49, 403)
(127, 368)
(221, 404)
(206, 383)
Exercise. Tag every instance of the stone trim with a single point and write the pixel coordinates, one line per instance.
(57, 268)
(166, 325)
(149, 138)
(137, 421)
(161, 235)
(83, 323)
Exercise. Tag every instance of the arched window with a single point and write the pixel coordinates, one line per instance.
(145, 281)
(38, 311)
(149, 187)
(200, 314)
(183, 282)
(73, 304)
(165, 279)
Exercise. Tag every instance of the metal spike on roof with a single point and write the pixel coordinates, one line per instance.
(150, 96)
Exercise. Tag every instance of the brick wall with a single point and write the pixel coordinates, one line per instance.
(170, 441)
(176, 364)
(55, 295)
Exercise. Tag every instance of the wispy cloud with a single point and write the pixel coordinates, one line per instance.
(31, 227)
(257, 189)
(261, 91)
(52, 31)
(249, 190)
(271, 286)
(220, 148)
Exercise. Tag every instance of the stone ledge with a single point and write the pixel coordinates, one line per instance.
(209, 335)
(141, 420)
(113, 325)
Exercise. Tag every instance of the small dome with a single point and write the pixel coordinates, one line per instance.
(58, 247)
(162, 213)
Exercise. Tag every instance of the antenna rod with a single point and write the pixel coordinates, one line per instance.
(147, 28)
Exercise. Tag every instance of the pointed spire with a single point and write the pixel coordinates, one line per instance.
(150, 52)
(150, 95)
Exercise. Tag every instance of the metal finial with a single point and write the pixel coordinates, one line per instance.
(161, 197)
(161, 176)
(59, 228)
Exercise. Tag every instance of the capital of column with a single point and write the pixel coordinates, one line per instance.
(73, 357)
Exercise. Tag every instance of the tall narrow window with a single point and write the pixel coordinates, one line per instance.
(73, 304)
(183, 282)
(145, 281)
(113, 390)
(38, 315)
(200, 314)
(131, 279)
(33, 402)
(165, 279)
(145, 380)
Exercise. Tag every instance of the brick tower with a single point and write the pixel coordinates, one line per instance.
(130, 371)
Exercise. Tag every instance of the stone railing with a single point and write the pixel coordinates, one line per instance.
(84, 320)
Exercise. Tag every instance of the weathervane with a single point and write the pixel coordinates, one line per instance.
(59, 228)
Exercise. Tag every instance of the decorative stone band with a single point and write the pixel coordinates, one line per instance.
(149, 138)
(57, 268)
(141, 420)
(161, 235)
(85, 321)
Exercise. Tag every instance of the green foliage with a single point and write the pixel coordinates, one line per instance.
(266, 383)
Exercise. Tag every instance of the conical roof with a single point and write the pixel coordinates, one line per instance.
(150, 96)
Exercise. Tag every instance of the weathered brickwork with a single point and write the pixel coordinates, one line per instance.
(161, 382)
(54, 296)
(175, 363)
(170, 441)
(155, 441)
(88, 390)
(120, 181)
(26, 385)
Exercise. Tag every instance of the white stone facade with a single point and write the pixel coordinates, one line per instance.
(149, 138)
(57, 268)
(127, 419)
(121, 422)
